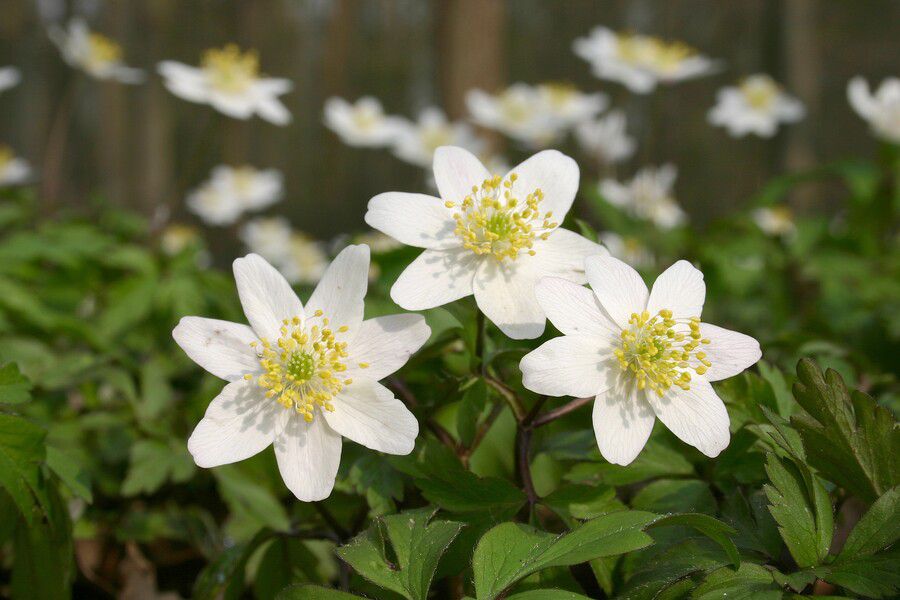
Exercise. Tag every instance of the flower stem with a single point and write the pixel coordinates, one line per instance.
(562, 411)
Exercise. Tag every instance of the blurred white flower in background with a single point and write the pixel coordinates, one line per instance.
(13, 170)
(9, 78)
(254, 188)
(93, 53)
(628, 249)
(229, 81)
(377, 241)
(647, 196)
(214, 204)
(517, 112)
(362, 123)
(567, 105)
(305, 261)
(758, 105)
(267, 236)
(416, 142)
(176, 237)
(640, 62)
(881, 110)
(775, 220)
(606, 139)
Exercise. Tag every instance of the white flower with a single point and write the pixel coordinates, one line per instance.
(536, 116)
(362, 123)
(13, 170)
(628, 249)
(9, 78)
(378, 242)
(305, 260)
(641, 355)
(758, 105)
(640, 62)
(270, 237)
(300, 377)
(647, 196)
(93, 53)
(214, 205)
(775, 220)
(229, 81)
(255, 189)
(488, 235)
(882, 110)
(415, 143)
(606, 139)
(176, 237)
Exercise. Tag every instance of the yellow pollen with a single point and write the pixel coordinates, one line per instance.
(229, 69)
(760, 91)
(652, 53)
(6, 157)
(661, 351)
(298, 369)
(103, 51)
(492, 220)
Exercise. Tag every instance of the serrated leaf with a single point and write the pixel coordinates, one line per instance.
(15, 388)
(307, 591)
(152, 464)
(223, 578)
(548, 595)
(512, 551)
(21, 454)
(874, 576)
(709, 526)
(802, 509)
(418, 544)
(848, 438)
(71, 472)
(749, 582)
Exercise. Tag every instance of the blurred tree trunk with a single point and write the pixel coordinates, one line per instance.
(471, 35)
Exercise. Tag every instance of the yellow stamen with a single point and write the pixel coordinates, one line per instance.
(229, 69)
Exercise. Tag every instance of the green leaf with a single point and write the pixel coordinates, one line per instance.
(14, 387)
(223, 578)
(416, 542)
(709, 526)
(283, 562)
(306, 591)
(511, 551)
(848, 438)
(21, 455)
(749, 582)
(71, 472)
(874, 576)
(802, 509)
(750, 516)
(548, 595)
(583, 501)
(246, 497)
(658, 459)
(878, 529)
(153, 463)
(675, 495)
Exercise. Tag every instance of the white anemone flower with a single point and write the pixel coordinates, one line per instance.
(627, 248)
(254, 188)
(415, 143)
(640, 62)
(568, 105)
(9, 78)
(300, 377)
(305, 260)
(758, 105)
(647, 196)
(94, 53)
(881, 110)
(519, 112)
(229, 81)
(775, 220)
(270, 237)
(642, 356)
(489, 235)
(215, 205)
(363, 123)
(606, 139)
(13, 170)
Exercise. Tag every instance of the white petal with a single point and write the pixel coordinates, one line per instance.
(505, 294)
(238, 106)
(367, 413)
(436, 277)
(681, 289)
(308, 456)
(266, 295)
(729, 352)
(341, 292)
(697, 416)
(553, 173)
(570, 365)
(573, 309)
(563, 255)
(619, 288)
(455, 172)
(220, 347)
(413, 219)
(622, 421)
(272, 110)
(239, 423)
(860, 98)
(385, 344)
